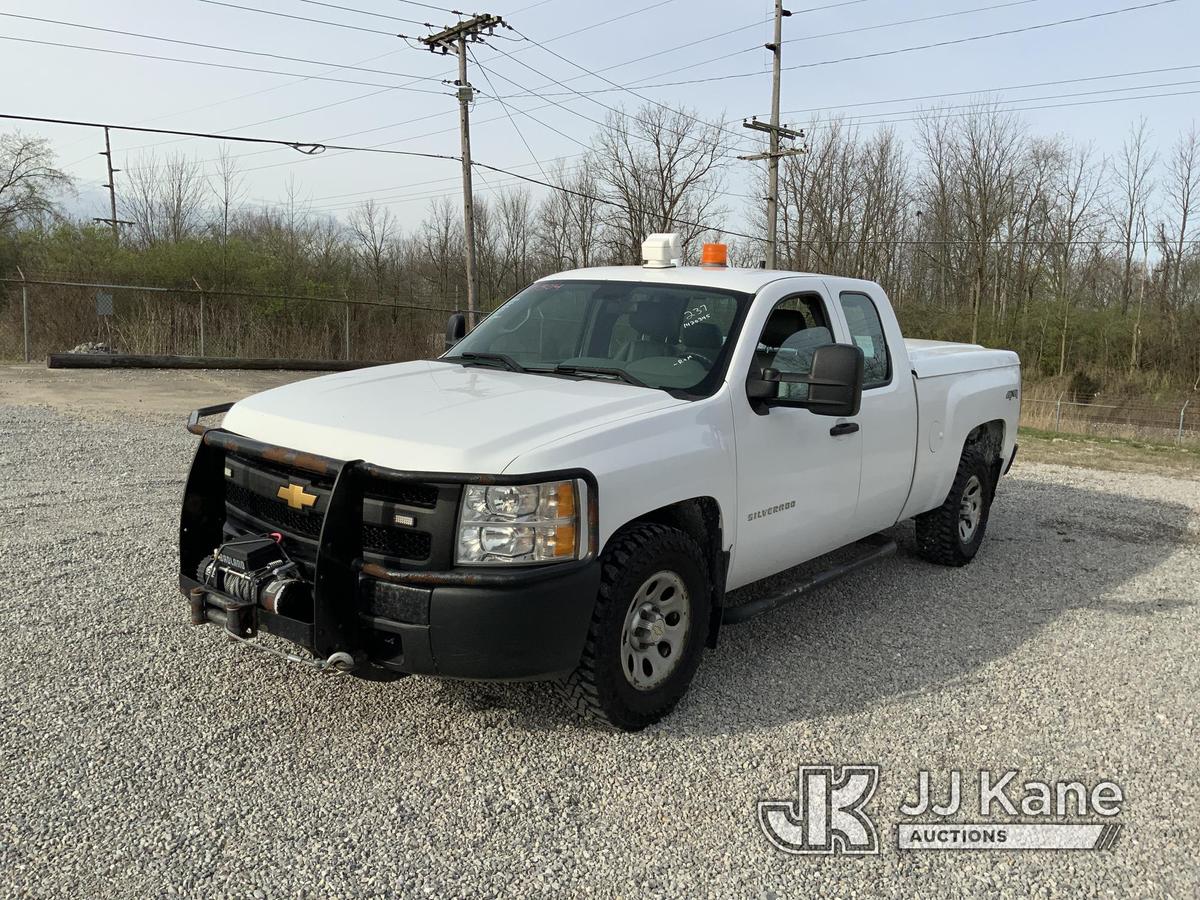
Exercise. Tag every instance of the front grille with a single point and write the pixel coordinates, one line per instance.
(253, 507)
(396, 542)
(273, 512)
(424, 496)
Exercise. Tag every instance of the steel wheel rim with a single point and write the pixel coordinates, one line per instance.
(655, 633)
(970, 509)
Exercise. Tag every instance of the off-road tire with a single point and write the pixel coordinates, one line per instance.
(937, 531)
(598, 689)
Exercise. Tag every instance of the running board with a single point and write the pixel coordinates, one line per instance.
(877, 547)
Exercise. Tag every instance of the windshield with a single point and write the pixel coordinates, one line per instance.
(672, 337)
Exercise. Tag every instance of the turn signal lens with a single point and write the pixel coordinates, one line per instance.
(714, 255)
(557, 542)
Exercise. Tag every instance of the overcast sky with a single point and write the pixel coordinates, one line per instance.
(403, 105)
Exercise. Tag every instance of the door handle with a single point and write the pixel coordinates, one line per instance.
(843, 428)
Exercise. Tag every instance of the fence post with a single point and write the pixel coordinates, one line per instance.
(201, 290)
(24, 311)
(1057, 413)
(1179, 436)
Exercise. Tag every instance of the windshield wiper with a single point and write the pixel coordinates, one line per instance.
(487, 358)
(612, 371)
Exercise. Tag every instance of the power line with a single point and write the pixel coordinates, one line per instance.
(362, 12)
(687, 44)
(430, 6)
(719, 154)
(900, 50)
(277, 87)
(985, 103)
(829, 34)
(1013, 87)
(933, 114)
(612, 109)
(625, 15)
(167, 40)
(214, 65)
(283, 15)
(828, 121)
(309, 149)
(693, 43)
(508, 113)
(946, 15)
(398, 87)
(628, 90)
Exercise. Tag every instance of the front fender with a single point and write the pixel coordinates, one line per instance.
(649, 461)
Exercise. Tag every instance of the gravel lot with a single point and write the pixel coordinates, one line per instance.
(143, 757)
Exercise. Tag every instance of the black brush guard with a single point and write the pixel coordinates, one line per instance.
(340, 623)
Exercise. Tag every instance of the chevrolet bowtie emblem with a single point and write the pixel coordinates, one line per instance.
(296, 497)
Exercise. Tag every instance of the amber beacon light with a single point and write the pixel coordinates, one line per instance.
(714, 255)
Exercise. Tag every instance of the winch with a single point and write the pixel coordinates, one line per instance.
(257, 570)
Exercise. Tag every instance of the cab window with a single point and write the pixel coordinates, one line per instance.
(866, 332)
(796, 327)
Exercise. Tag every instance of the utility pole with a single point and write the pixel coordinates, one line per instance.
(112, 191)
(776, 132)
(454, 39)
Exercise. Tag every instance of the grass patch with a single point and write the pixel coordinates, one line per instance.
(1111, 454)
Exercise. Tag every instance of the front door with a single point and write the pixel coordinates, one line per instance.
(798, 472)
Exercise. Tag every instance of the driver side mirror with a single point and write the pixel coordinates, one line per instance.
(835, 383)
(456, 329)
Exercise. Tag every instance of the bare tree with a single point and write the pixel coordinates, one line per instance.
(986, 156)
(663, 167)
(29, 183)
(374, 230)
(1183, 200)
(1076, 189)
(515, 211)
(569, 219)
(229, 190)
(1133, 185)
(165, 200)
(437, 254)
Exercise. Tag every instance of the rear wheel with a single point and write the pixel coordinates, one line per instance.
(648, 629)
(952, 534)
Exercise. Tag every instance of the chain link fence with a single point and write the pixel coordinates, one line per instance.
(39, 316)
(43, 316)
(1177, 424)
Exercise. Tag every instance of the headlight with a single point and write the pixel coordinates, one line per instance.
(520, 523)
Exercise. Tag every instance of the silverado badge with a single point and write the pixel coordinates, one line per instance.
(296, 497)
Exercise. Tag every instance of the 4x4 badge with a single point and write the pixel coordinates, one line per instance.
(296, 497)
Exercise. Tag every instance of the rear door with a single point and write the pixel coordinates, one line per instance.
(797, 473)
(888, 418)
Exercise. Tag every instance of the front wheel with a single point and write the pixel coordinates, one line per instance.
(952, 534)
(648, 629)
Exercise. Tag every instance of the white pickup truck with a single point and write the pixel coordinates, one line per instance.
(572, 490)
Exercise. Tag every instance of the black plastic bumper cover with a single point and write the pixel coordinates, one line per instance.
(476, 623)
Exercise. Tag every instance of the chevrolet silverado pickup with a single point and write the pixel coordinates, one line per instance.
(572, 491)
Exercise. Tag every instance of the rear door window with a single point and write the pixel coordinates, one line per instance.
(866, 332)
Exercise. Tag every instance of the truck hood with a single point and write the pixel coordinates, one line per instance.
(434, 416)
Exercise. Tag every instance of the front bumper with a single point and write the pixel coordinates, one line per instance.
(391, 617)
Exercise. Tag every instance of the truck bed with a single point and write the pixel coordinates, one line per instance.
(930, 359)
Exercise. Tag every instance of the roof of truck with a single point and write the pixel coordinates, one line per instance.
(747, 281)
